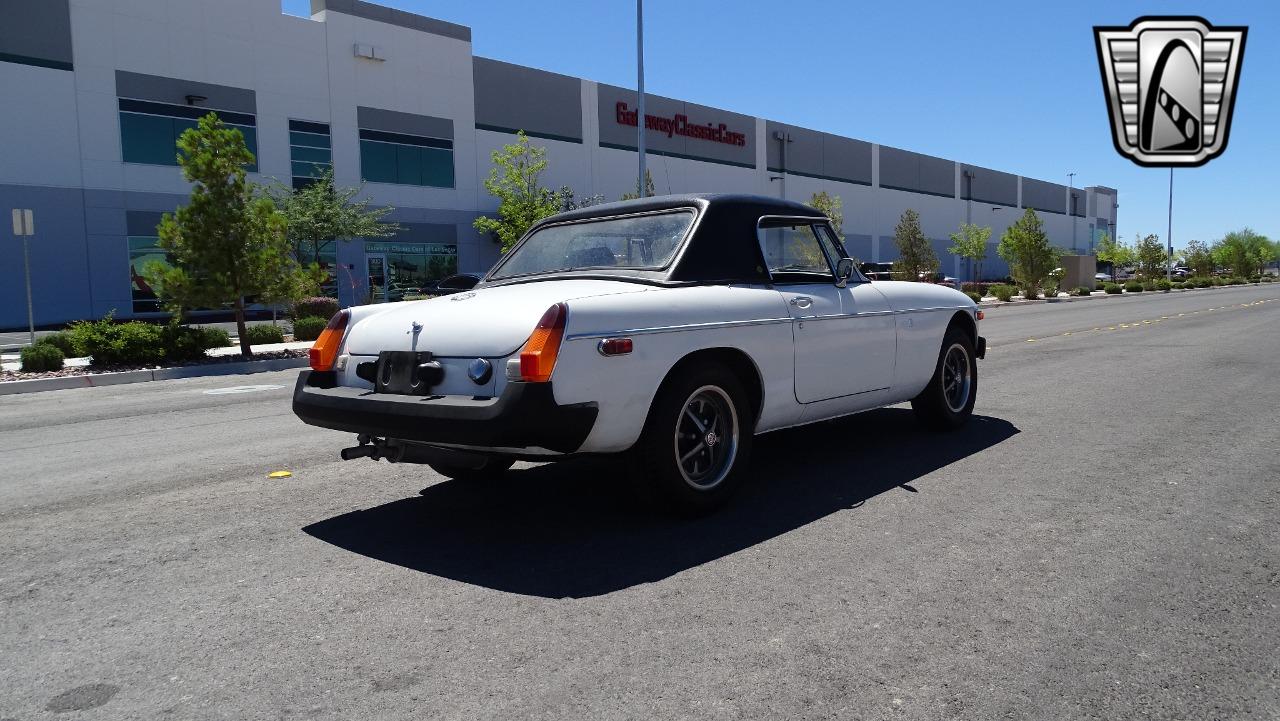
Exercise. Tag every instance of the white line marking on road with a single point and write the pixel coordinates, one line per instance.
(241, 389)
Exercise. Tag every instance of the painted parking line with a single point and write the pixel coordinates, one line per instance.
(1150, 321)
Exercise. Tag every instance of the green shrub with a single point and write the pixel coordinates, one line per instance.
(62, 341)
(261, 334)
(1133, 286)
(215, 337)
(111, 343)
(1112, 289)
(314, 307)
(1163, 285)
(1082, 291)
(1218, 281)
(309, 328)
(1002, 292)
(1236, 281)
(1268, 279)
(1178, 285)
(41, 357)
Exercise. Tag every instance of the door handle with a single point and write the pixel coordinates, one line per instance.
(801, 301)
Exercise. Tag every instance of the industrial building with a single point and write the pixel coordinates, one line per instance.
(97, 92)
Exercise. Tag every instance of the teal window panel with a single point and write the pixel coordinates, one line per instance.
(310, 140)
(308, 170)
(314, 155)
(147, 139)
(437, 168)
(377, 162)
(408, 165)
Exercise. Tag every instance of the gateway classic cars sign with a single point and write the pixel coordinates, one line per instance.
(679, 124)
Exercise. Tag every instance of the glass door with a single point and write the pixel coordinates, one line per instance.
(377, 267)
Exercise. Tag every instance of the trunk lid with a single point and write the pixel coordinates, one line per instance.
(486, 322)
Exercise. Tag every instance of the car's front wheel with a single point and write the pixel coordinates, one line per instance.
(947, 402)
(697, 439)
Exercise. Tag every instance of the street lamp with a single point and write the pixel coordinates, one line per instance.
(640, 129)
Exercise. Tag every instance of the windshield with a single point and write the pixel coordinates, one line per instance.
(635, 242)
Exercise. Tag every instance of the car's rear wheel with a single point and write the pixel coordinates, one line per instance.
(697, 439)
(947, 402)
(487, 469)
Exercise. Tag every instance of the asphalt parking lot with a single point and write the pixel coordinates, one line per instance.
(1100, 542)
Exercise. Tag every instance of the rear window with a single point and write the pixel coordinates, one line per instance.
(638, 242)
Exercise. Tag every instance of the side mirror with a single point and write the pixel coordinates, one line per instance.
(844, 271)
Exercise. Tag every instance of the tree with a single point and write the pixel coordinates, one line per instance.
(971, 244)
(229, 241)
(832, 207)
(648, 188)
(1199, 258)
(1246, 252)
(916, 259)
(1152, 257)
(514, 181)
(569, 202)
(1025, 246)
(320, 212)
(1110, 250)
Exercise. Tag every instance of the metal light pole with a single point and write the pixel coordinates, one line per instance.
(640, 130)
(24, 226)
(1168, 261)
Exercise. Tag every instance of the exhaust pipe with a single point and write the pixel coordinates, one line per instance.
(354, 452)
(375, 448)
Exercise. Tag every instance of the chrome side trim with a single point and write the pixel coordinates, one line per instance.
(678, 328)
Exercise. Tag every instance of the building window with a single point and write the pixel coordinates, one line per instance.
(149, 131)
(309, 150)
(407, 269)
(143, 250)
(406, 159)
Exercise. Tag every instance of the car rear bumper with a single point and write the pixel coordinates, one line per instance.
(982, 347)
(526, 415)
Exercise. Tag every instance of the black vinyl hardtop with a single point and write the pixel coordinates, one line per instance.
(722, 249)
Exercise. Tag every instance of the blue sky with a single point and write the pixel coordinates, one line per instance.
(1009, 85)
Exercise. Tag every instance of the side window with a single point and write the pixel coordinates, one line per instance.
(795, 253)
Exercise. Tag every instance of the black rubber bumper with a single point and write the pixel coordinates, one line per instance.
(982, 347)
(524, 416)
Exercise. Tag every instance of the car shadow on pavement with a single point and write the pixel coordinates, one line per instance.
(577, 529)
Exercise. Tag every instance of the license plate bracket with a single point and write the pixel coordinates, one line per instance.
(411, 373)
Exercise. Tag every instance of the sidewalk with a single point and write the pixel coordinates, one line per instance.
(12, 361)
(112, 378)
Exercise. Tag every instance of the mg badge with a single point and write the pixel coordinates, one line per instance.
(1170, 84)
(479, 371)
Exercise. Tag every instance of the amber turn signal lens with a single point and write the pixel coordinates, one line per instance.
(538, 356)
(981, 315)
(325, 351)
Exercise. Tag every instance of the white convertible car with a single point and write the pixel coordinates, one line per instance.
(671, 328)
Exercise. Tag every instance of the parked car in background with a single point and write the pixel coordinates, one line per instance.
(671, 329)
(454, 284)
(877, 271)
(1102, 277)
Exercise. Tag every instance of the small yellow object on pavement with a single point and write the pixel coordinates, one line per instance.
(279, 474)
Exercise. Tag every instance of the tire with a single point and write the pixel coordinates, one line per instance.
(943, 404)
(696, 442)
(488, 469)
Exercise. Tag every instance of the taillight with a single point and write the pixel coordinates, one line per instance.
(538, 356)
(325, 351)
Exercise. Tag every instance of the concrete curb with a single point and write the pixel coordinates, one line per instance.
(1074, 298)
(94, 380)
